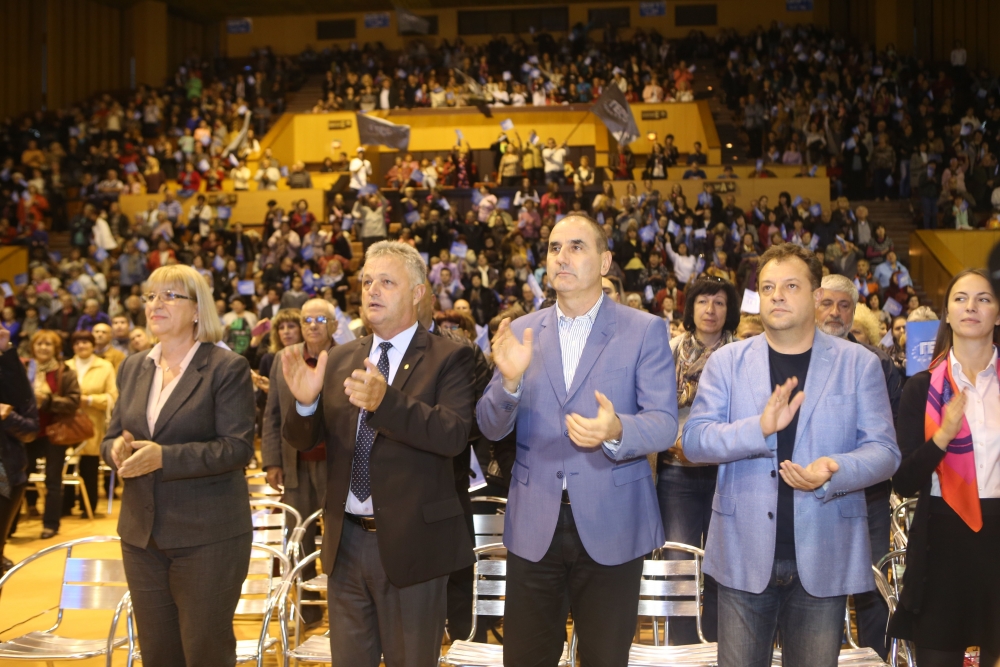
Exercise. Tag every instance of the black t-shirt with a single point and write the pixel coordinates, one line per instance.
(784, 366)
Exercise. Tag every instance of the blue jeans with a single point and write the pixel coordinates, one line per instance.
(685, 498)
(872, 611)
(811, 628)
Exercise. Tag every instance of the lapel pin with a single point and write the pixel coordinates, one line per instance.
(406, 367)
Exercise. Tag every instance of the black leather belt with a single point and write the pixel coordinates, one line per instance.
(565, 497)
(367, 523)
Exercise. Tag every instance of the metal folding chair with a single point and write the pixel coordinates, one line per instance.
(488, 527)
(68, 479)
(902, 517)
(275, 523)
(259, 488)
(88, 584)
(488, 591)
(889, 582)
(315, 649)
(672, 588)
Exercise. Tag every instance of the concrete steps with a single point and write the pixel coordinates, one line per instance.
(303, 99)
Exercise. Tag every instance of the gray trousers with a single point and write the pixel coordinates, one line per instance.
(370, 618)
(307, 497)
(185, 599)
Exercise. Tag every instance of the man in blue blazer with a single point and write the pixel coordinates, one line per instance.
(591, 395)
(789, 534)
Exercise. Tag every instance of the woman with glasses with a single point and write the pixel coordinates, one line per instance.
(180, 437)
(684, 489)
(949, 435)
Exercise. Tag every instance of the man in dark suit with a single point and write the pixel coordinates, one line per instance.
(397, 406)
(273, 303)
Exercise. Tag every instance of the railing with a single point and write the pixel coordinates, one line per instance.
(13, 263)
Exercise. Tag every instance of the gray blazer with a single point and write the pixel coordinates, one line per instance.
(274, 449)
(627, 357)
(845, 415)
(206, 429)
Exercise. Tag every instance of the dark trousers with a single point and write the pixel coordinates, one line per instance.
(930, 208)
(89, 466)
(755, 137)
(604, 600)
(9, 508)
(871, 610)
(685, 496)
(370, 618)
(184, 600)
(55, 457)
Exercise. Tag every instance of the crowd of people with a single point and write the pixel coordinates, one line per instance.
(538, 70)
(695, 326)
(885, 126)
(190, 130)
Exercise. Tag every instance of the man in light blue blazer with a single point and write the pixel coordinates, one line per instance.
(591, 394)
(800, 424)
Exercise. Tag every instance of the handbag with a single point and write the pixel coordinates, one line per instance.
(72, 429)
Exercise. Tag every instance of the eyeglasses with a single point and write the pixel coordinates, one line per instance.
(322, 319)
(166, 296)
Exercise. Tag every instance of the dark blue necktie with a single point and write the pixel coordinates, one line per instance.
(361, 485)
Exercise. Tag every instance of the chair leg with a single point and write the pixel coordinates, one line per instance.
(86, 500)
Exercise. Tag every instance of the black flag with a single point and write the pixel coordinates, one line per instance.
(374, 130)
(614, 112)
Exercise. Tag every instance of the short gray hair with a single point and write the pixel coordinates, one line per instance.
(838, 283)
(922, 314)
(411, 259)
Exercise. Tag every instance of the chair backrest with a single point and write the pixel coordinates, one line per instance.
(267, 565)
(902, 516)
(273, 522)
(488, 527)
(92, 583)
(87, 583)
(664, 581)
(489, 582)
(259, 488)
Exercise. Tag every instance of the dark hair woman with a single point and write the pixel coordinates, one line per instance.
(949, 434)
(685, 490)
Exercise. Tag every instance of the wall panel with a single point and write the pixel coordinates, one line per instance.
(20, 56)
(85, 50)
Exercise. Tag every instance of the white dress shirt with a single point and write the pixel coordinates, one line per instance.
(573, 335)
(400, 343)
(982, 411)
(158, 394)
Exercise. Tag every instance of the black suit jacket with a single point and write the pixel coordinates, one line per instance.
(920, 458)
(423, 421)
(206, 427)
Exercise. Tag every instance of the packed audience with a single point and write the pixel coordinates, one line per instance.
(885, 126)
(538, 70)
(189, 131)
